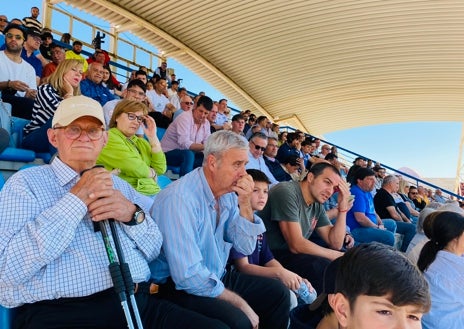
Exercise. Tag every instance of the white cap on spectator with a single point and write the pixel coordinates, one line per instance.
(75, 107)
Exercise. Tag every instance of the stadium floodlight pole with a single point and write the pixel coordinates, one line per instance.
(126, 274)
(116, 274)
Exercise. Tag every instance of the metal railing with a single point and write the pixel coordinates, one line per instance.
(411, 179)
(114, 42)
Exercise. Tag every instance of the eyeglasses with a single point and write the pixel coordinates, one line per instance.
(132, 117)
(188, 103)
(16, 36)
(74, 132)
(258, 148)
(37, 39)
(3, 20)
(135, 92)
(413, 193)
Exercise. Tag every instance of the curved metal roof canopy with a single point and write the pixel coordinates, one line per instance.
(317, 65)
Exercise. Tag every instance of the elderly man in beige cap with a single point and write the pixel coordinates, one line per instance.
(54, 264)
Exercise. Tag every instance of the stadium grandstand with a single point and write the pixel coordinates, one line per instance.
(308, 68)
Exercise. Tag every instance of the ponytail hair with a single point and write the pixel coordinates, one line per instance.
(441, 227)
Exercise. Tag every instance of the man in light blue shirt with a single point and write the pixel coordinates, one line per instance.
(257, 146)
(202, 216)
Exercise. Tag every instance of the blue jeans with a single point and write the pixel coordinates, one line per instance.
(186, 159)
(408, 230)
(370, 234)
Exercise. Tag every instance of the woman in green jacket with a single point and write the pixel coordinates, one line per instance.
(138, 161)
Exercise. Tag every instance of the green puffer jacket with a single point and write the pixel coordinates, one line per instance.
(133, 157)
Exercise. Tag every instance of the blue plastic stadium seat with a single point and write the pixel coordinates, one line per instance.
(16, 137)
(17, 131)
(164, 181)
(13, 152)
(46, 157)
(16, 154)
(160, 133)
(2, 181)
(5, 318)
(174, 170)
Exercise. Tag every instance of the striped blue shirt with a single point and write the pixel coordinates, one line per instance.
(195, 250)
(48, 247)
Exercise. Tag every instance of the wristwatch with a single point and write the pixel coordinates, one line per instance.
(138, 217)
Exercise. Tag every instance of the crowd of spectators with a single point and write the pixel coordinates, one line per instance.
(312, 205)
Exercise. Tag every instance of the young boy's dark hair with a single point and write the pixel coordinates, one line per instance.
(258, 176)
(373, 269)
(376, 269)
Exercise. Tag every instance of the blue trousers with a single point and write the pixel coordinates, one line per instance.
(370, 234)
(186, 159)
(408, 230)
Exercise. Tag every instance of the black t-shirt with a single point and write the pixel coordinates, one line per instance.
(382, 200)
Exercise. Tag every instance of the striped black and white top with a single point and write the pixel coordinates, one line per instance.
(45, 105)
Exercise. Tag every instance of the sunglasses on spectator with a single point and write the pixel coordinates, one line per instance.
(226, 112)
(3, 20)
(132, 117)
(16, 36)
(188, 103)
(258, 148)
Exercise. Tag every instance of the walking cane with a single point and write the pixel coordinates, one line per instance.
(116, 275)
(126, 274)
(122, 283)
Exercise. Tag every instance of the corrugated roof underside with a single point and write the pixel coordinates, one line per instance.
(333, 64)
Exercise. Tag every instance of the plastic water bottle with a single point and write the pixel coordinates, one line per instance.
(304, 293)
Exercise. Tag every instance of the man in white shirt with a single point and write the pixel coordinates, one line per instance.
(157, 96)
(221, 116)
(173, 89)
(17, 77)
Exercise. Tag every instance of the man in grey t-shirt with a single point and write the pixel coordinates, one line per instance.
(295, 210)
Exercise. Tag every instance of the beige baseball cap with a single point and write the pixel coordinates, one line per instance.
(75, 107)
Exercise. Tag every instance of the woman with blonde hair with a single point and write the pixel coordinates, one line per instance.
(137, 160)
(62, 83)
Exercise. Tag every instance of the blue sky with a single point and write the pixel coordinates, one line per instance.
(430, 148)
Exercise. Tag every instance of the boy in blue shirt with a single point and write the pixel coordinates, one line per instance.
(261, 262)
